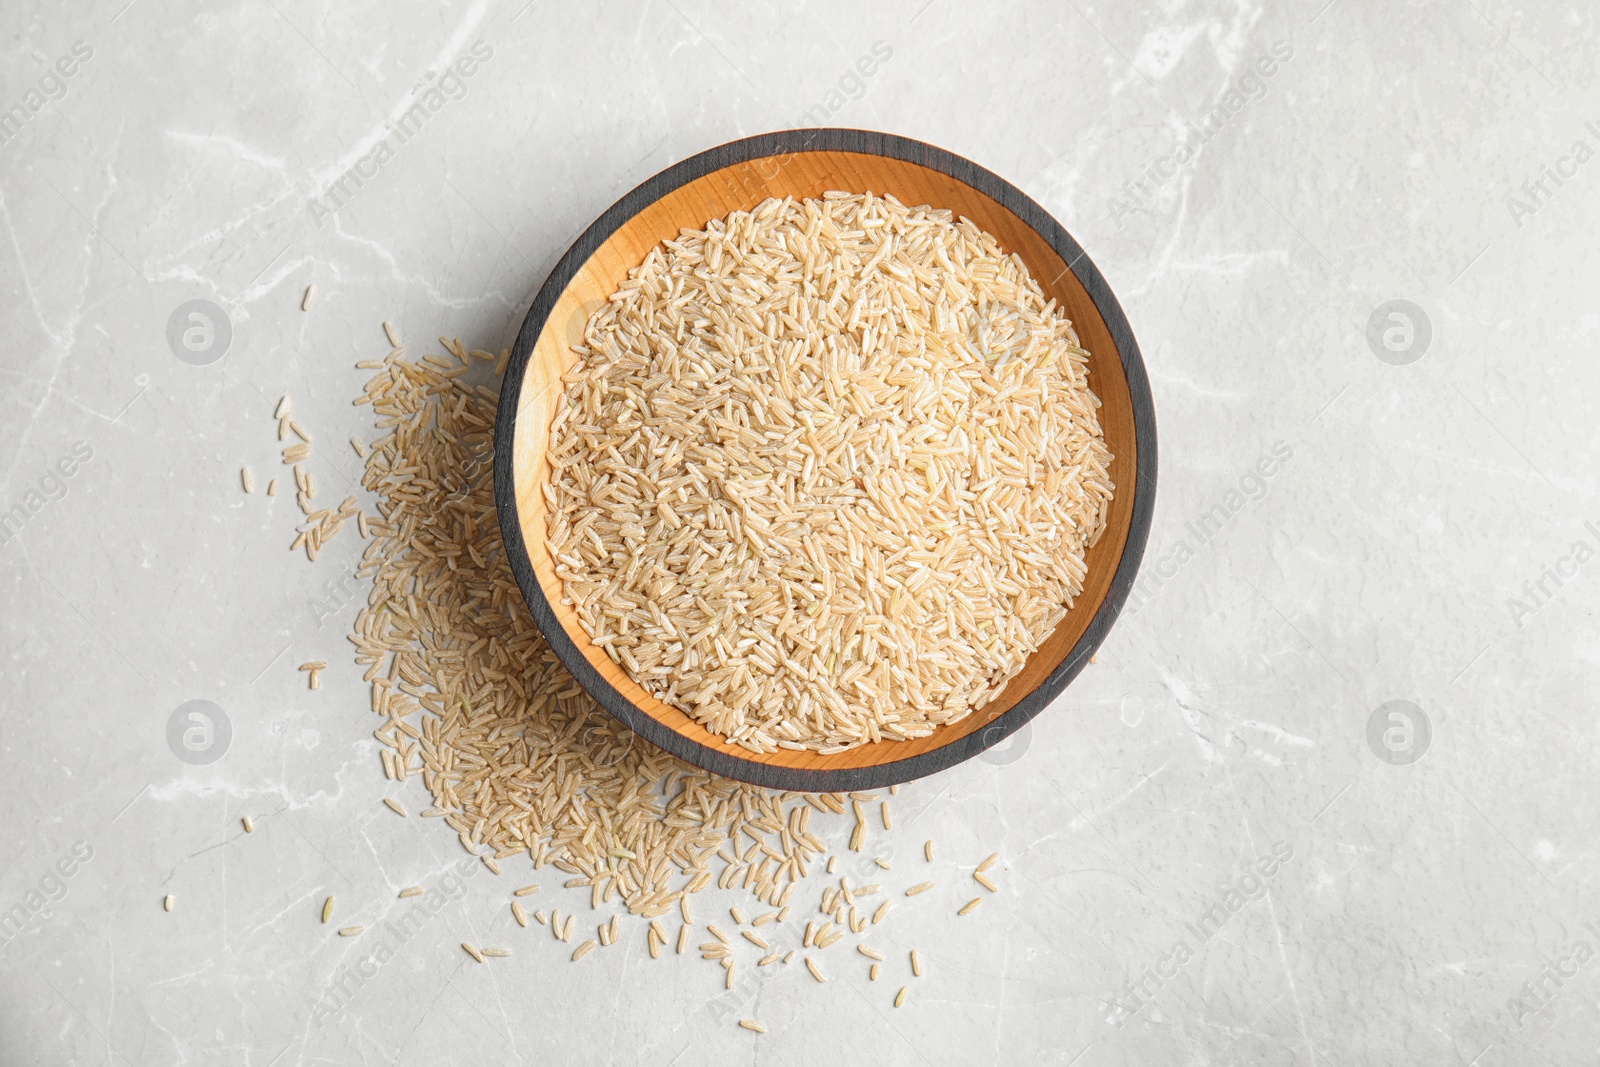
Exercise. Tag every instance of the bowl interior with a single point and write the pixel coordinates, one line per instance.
(742, 186)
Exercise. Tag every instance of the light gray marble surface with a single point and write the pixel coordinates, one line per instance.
(1430, 910)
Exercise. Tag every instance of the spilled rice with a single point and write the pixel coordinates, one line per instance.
(518, 761)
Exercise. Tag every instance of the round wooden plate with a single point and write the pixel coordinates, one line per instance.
(807, 163)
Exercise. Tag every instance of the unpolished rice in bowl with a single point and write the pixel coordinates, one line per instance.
(825, 472)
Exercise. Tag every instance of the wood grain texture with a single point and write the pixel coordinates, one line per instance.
(807, 163)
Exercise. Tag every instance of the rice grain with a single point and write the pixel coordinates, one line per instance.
(517, 758)
(825, 473)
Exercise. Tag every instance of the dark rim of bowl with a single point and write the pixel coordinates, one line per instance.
(867, 143)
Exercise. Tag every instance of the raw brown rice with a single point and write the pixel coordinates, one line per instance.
(472, 699)
(859, 427)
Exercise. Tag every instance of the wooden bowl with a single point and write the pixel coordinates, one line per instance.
(807, 163)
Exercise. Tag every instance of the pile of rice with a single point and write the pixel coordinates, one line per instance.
(825, 472)
(524, 766)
